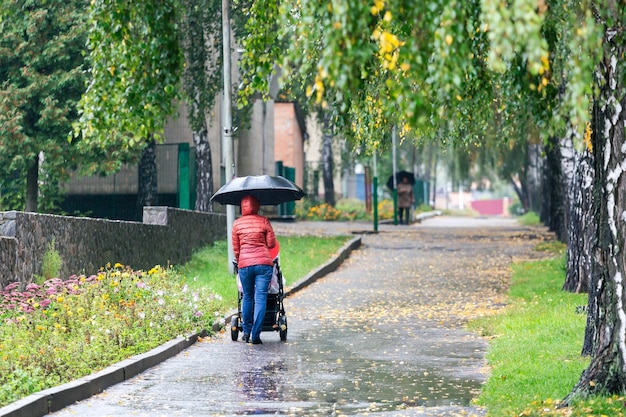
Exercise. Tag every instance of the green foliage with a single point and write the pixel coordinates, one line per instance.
(51, 264)
(535, 344)
(529, 219)
(41, 80)
(260, 36)
(63, 330)
(135, 66)
(200, 34)
(345, 210)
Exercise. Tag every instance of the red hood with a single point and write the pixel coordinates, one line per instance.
(249, 205)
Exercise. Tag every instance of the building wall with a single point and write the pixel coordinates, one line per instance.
(255, 147)
(289, 143)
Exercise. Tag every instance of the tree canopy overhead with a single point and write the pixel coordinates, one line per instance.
(419, 65)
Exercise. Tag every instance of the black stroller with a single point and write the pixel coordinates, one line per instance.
(275, 319)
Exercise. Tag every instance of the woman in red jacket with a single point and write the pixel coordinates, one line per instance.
(253, 237)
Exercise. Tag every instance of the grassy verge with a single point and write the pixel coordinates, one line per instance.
(299, 255)
(535, 348)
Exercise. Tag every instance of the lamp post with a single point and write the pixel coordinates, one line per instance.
(395, 180)
(227, 128)
(375, 193)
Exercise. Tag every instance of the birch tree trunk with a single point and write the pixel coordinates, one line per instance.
(204, 170)
(147, 186)
(568, 164)
(553, 207)
(327, 161)
(32, 185)
(533, 178)
(581, 230)
(607, 370)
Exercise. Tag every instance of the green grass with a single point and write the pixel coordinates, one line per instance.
(299, 255)
(529, 219)
(535, 344)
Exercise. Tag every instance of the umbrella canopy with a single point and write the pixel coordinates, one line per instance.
(399, 176)
(270, 191)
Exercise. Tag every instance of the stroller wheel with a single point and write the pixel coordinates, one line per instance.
(282, 328)
(234, 328)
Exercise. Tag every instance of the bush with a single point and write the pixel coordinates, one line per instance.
(51, 264)
(348, 209)
(352, 209)
(530, 219)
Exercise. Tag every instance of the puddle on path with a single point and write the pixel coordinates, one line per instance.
(352, 374)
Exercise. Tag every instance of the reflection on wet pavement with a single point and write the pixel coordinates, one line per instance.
(348, 373)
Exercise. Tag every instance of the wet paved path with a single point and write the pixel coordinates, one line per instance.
(381, 336)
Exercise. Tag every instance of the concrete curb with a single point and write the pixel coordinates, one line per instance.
(418, 217)
(54, 399)
(426, 215)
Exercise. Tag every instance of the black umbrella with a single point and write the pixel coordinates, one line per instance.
(269, 190)
(399, 176)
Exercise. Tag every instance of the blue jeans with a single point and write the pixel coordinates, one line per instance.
(255, 280)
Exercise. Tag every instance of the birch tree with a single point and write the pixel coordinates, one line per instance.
(201, 40)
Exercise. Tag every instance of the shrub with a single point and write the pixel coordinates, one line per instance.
(385, 209)
(51, 264)
(352, 209)
(530, 219)
(345, 210)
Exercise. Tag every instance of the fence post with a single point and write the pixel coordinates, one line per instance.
(290, 207)
(280, 170)
(184, 200)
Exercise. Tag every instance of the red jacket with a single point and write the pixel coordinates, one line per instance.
(253, 236)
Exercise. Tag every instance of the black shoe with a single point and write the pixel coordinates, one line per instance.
(245, 337)
(257, 342)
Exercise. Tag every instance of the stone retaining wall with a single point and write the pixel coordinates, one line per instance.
(167, 235)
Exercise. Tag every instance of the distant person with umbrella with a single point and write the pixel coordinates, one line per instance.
(403, 181)
(253, 237)
(405, 199)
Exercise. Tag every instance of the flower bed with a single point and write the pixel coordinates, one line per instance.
(62, 330)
